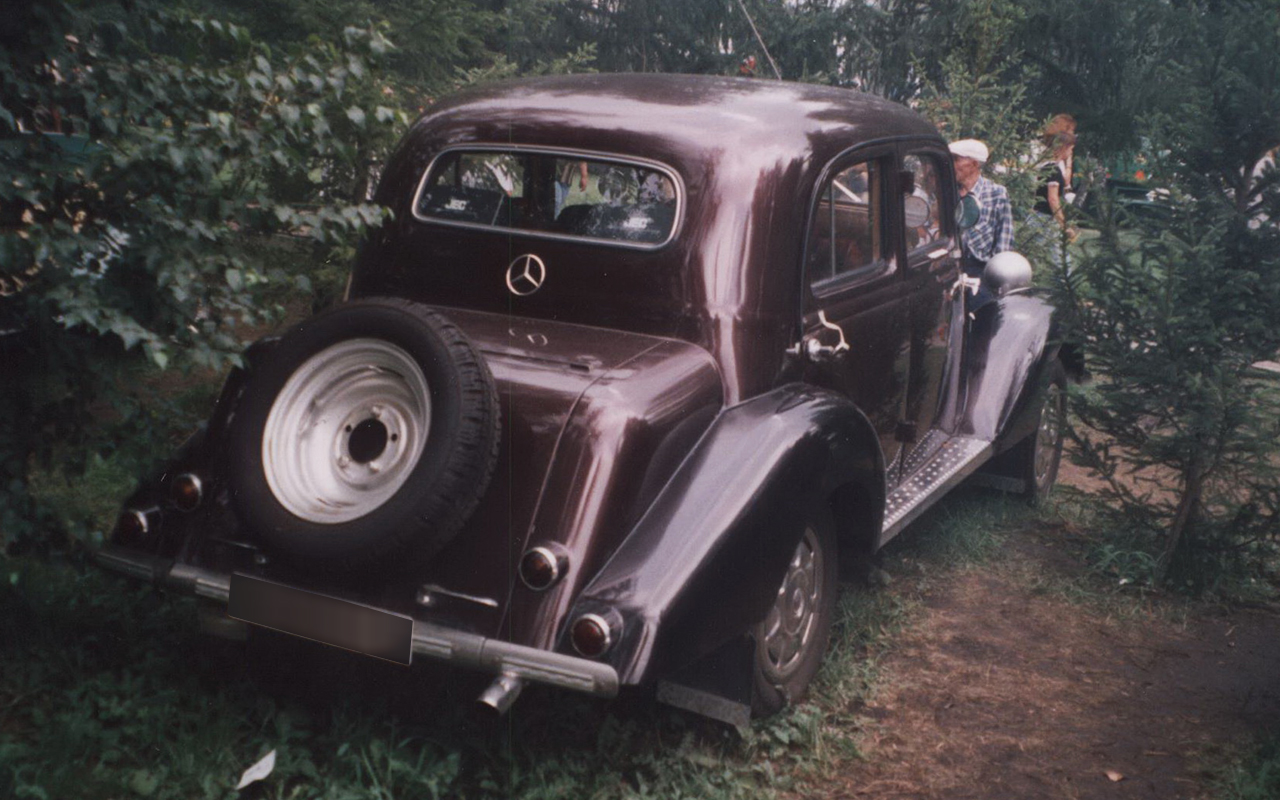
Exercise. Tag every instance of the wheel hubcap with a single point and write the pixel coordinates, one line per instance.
(788, 630)
(346, 431)
(1049, 435)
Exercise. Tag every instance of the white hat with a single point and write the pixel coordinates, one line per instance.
(970, 148)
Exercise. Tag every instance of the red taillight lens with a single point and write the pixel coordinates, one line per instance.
(132, 529)
(541, 567)
(592, 635)
(186, 491)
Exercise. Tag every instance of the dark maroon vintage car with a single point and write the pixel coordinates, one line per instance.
(638, 356)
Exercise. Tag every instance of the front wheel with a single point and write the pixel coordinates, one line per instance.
(792, 638)
(1041, 453)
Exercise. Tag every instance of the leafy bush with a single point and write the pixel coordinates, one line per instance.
(148, 155)
(1175, 313)
(1179, 427)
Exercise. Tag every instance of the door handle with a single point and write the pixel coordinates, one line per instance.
(965, 282)
(816, 350)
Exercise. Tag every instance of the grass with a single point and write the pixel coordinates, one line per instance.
(1255, 776)
(108, 690)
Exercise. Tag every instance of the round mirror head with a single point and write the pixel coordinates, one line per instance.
(1006, 273)
(915, 211)
(968, 211)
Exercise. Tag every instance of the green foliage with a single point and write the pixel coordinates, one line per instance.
(1255, 777)
(1176, 311)
(815, 40)
(979, 93)
(1097, 60)
(1223, 117)
(1188, 437)
(437, 36)
(144, 155)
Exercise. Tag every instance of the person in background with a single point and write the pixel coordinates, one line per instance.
(993, 231)
(1048, 219)
(1058, 123)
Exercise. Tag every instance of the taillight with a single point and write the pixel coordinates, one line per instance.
(542, 566)
(592, 635)
(186, 491)
(136, 528)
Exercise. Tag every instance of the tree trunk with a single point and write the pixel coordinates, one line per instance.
(1188, 511)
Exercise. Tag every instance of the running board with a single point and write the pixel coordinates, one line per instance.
(953, 461)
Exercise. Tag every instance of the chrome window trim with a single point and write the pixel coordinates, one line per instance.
(559, 152)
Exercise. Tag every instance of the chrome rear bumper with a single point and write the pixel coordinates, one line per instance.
(429, 640)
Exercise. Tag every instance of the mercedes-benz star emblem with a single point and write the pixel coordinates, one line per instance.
(526, 274)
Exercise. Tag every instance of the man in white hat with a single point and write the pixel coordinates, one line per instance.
(993, 232)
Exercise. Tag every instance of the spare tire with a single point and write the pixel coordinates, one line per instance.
(365, 436)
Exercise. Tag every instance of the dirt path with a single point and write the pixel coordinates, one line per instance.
(1007, 691)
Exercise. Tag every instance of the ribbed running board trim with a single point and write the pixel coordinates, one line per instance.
(953, 461)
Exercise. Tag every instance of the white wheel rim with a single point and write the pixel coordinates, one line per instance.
(787, 632)
(346, 430)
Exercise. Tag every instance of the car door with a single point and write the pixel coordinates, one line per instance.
(857, 316)
(931, 256)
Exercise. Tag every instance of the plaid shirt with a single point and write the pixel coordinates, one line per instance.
(993, 232)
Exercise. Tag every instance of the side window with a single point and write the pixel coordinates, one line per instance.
(847, 233)
(921, 207)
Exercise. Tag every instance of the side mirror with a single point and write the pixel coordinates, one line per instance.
(968, 211)
(1007, 273)
(915, 211)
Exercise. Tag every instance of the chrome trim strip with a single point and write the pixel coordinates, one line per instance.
(429, 639)
(125, 562)
(957, 459)
(433, 589)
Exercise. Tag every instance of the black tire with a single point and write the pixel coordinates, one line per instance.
(1038, 456)
(366, 436)
(790, 640)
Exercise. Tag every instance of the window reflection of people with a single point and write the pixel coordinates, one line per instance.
(993, 231)
(924, 187)
(564, 180)
(654, 188)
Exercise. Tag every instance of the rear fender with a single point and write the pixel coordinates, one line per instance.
(704, 563)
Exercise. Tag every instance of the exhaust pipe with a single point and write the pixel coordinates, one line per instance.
(502, 692)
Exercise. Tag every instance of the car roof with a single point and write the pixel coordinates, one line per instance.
(687, 118)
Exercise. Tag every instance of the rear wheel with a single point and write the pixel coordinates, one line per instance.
(792, 638)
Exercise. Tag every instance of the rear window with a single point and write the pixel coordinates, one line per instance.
(555, 194)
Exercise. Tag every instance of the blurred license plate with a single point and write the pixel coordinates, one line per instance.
(328, 620)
